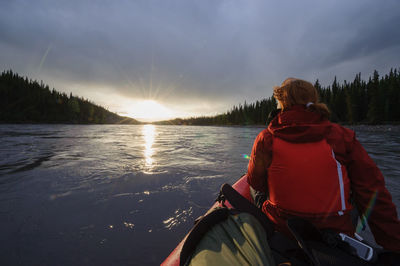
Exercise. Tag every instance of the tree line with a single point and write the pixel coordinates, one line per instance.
(375, 101)
(27, 101)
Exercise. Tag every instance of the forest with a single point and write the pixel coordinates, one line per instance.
(376, 101)
(28, 101)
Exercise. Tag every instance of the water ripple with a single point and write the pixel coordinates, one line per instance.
(100, 190)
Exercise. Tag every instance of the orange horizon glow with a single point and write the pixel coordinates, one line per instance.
(149, 111)
(153, 111)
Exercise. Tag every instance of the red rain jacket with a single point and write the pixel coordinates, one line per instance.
(298, 125)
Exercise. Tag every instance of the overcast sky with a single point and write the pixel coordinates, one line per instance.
(194, 57)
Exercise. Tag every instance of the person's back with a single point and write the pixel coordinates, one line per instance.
(308, 166)
(297, 169)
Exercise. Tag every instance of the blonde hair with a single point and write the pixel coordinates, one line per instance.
(300, 92)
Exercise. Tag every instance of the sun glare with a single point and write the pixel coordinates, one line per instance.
(149, 110)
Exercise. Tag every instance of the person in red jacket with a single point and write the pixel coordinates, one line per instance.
(311, 168)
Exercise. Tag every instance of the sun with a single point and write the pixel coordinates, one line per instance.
(149, 111)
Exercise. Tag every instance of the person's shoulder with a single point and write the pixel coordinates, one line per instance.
(340, 132)
(264, 135)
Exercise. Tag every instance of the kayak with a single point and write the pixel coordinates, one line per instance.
(204, 244)
(240, 186)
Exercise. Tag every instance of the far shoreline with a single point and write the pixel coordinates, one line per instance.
(395, 126)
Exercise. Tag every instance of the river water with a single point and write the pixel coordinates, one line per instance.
(123, 194)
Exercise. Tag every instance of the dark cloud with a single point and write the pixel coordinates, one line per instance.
(360, 32)
(202, 51)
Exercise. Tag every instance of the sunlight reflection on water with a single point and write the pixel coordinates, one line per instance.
(148, 132)
(180, 216)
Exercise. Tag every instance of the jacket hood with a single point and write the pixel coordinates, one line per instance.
(299, 125)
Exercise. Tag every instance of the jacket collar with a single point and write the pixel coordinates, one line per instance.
(298, 124)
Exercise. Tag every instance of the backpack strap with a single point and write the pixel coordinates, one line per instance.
(200, 229)
(284, 249)
(241, 204)
(205, 223)
(302, 230)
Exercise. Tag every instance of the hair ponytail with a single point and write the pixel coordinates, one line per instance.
(296, 91)
(321, 109)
